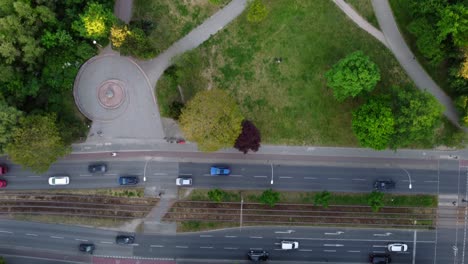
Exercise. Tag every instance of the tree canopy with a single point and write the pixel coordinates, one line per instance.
(249, 139)
(9, 118)
(36, 143)
(95, 22)
(212, 119)
(257, 11)
(373, 123)
(352, 75)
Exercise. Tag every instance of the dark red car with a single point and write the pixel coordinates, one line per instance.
(3, 169)
(3, 184)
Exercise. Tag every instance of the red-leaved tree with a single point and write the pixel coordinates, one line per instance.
(249, 139)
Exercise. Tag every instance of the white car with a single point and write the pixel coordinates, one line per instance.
(289, 245)
(184, 181)
(397, 247)
(59, 180)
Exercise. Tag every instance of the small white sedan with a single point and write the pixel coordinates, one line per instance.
(184, 181)
(289, 245)
(397, 247)
(59, 180)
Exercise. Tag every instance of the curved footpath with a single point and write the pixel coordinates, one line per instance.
(395, 42)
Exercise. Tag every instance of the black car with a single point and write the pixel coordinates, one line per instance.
(258, 255)
(379, 258)
(128, 180)
(88, 248)
(97, 168)
(124, 239)
(384, 185)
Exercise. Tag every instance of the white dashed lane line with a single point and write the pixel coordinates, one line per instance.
(354, 251)
(56, 237)
(85, 175)
(232, 175)
(256, 237)
(230, 248)
(305, 249)
(110, 174)
(185, 174)
(285, 177)
(230, 236)
(256, 248)
(79, 239)
(206, 247)
(206, 236)
(31, 234)
(329, 250)
(181, 246)
(158, 246)
(34, 176)
(7, 232)
(335, 178)
(259, 176)
(310, 178)
(379, 246)
(105, 242)
(359, 179)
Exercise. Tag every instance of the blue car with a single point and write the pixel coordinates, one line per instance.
(128, 180)
(217, 171)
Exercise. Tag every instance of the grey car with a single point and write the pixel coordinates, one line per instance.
(97, 168)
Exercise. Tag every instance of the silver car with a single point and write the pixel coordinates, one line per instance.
(184, 181)
(397, 247)
(59, 180)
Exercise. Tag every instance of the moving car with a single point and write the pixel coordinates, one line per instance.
(384, 185)
(379, 258)
(59, 180)
(88, 248)
(258, 255)
(397, 247)
(3, 169)
(184, 181)
(220, 171)
(124, 239)
(97, 168)
(3, 183)
(128, 180)
(289, 245)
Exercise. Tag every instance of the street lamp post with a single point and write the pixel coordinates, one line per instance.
(410, 186)
(271, 164)
(242, 206)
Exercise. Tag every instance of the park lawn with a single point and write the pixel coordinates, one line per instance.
(365, 9)
(289, 101)
(439, 73)
(173, 18)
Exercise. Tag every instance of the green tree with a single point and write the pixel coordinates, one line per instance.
(212, 119)
(375, 200)
(373, 124)
(454, 22)
(257, 11)
(95, 22)
(2, 260)
(352, 75)
(269, 197)
(416, 116)
(216, 195)
(322, 198)
(9, 117)
(36, 143)
(426, 34)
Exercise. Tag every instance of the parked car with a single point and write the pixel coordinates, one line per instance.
(88, 248)
(3, 169)
(289, 245)
(128, 180)
(258, 255)
(379, 258)
(124, 239)
(59, 180)
(384, 185)
(97, 168)
(3, 183)
(220, 171)
(397, 247)
(184, 181)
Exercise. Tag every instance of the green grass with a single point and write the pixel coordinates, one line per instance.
(173, 18)
(365, 9)
(194, 226)
(134, 192)
(335, 199)
(71, 220)
(439, 73)
(289, 102)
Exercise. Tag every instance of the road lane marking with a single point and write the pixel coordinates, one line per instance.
(310, 178)
(260, 176)
(329, 250)
(206, 236)
(354, 251)
(256, 237)
(110, 174)
(335, 234)
(256, 248)
(79, 239)
(232, 175)
(57, 237)
(386, 234)
(305, 249)
(29, 234)
(359, 179)
(8, 232)
(378, 251)
(160, 173)
(185, 174)
(285, 232)
(333, 245)
(85, 175)
(181, 246)
(285, 177)
(206, 247)
(230, 248)
(105, 242)
(230, 236)
(206, 174)
(158, 246)
(34, 176)
(335, 178)
(379, 246)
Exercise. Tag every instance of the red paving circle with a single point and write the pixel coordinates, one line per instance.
(111, 94)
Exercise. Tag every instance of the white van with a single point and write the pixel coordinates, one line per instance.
(59, 180)
(289, 245)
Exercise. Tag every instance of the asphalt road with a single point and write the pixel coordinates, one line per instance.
(244, 176)
(335, 245)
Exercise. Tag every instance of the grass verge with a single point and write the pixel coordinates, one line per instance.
(365, 9)
(194, 226)
(134, 192)
(71, 220)
(335, 199)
